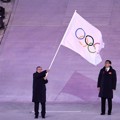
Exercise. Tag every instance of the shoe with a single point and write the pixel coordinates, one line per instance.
(36, 117)
(102, 113)
(109, 113)
(43, 117)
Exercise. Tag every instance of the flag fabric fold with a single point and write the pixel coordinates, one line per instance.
(84, 39)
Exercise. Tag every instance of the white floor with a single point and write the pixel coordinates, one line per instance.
(71, 111)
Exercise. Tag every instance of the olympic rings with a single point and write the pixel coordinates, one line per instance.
(91, 50)
(89, 44)
(79, 31)
(88, 39)
(82, 43)
(94, 48)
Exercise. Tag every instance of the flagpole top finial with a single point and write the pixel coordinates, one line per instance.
(75, 10)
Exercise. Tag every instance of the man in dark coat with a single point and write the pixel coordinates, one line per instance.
(39, 91)
(106, 84)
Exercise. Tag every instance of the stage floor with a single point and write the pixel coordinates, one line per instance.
(57, 111)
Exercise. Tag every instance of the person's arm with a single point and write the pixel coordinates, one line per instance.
(99, 79)
(114, 80)
(40, 75)
(34, 85)
(45, 81)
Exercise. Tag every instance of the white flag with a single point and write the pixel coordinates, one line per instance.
(84, 39)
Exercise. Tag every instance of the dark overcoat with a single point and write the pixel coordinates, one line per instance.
(39, 88)
(107, 82)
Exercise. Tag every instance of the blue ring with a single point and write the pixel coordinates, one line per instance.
(83, 32)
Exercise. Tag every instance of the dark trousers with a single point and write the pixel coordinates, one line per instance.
(1, 23)
(43, 108)
(103, 105)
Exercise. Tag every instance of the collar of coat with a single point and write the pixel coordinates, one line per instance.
(109, 69)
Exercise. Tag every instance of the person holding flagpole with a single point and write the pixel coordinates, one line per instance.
(39, 91)
(106, 85)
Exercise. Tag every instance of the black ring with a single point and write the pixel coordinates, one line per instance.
(91, 43)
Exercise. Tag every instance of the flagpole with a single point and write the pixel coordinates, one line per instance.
(60, 43)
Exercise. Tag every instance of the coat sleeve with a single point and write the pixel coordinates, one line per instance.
(40, 75)
(114, 80)
(45, 81)
(99, 79)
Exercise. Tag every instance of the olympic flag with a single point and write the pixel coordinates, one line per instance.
(84, 39)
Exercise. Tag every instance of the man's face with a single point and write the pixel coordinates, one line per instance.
(107, 64)
(39, 70)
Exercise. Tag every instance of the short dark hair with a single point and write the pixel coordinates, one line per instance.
(38, 67)
(108, 61)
